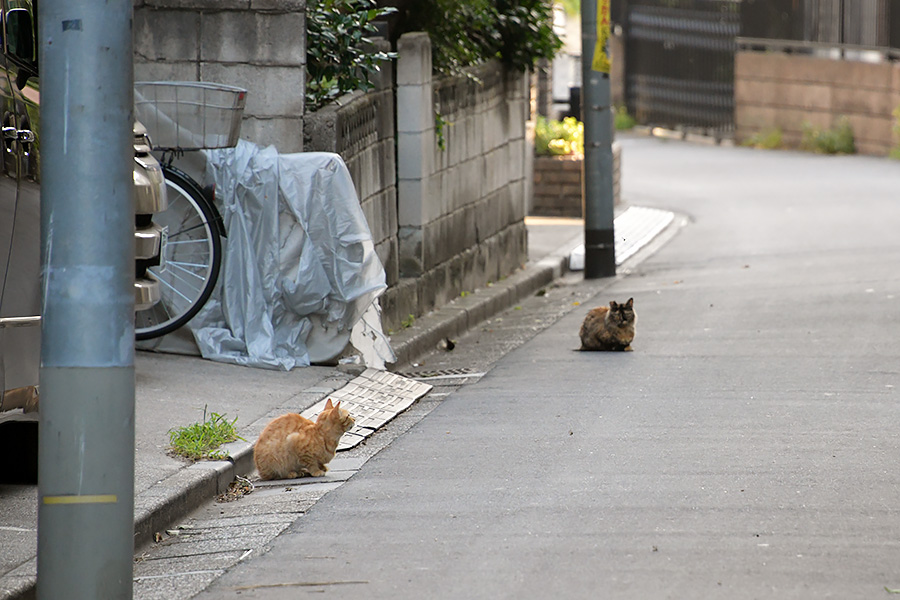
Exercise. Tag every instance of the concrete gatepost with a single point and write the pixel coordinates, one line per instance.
(416, 147)
(521, 152)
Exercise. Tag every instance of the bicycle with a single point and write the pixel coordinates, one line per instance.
(183, 117)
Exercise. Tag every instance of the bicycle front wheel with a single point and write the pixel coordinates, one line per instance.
(190, 260)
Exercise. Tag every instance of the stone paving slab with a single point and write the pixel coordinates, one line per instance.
(373, 399)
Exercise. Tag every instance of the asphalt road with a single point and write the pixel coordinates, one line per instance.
(747, 448)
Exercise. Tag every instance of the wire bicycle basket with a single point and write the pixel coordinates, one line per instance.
(189, 115)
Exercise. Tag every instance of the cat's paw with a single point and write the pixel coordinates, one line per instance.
(627, 349)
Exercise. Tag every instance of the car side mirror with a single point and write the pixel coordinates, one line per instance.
(19, 40)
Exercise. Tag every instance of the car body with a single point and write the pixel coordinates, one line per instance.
(20, 236)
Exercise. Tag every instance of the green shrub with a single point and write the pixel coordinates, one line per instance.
(769, 139)
(837, 140)
(572, 7)
(558, 138)
(526, 33)
(468, 32)
(339, 55)
(463, 33)
(622, 120)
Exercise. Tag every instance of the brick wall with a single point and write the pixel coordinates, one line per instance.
(784, 91)
(557, 185)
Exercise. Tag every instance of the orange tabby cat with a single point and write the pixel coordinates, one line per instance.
(609, 328)
(293, 446)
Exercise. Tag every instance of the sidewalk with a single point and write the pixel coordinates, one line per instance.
(175, 390)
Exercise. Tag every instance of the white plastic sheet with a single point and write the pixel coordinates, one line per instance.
(299, 269)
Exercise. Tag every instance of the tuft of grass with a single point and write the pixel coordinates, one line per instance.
(201, 440)
(770, 139)
(837, 140)
(408, 322)
(622, 120)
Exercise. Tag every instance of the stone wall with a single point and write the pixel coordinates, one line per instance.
(259, 45)
(775, 90)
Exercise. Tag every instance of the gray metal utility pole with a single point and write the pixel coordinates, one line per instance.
(599, 240)
(86, 447)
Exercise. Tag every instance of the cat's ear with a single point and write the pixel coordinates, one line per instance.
(338, 405)
(328, 405)
(630, 303)
(613, 304)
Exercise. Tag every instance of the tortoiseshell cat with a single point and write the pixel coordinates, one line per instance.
(609, 328)
(293, 446)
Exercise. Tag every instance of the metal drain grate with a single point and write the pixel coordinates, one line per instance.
(460, 373)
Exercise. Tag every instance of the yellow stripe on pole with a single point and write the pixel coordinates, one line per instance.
(75, 499)
(601, 60)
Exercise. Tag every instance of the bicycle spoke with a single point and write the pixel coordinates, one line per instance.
(184, 266)
(168, 284)
(193, 254)
(189, 229)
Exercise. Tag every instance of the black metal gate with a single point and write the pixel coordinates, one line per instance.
(679, 62)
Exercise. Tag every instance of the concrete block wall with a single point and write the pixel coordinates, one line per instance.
(445, 219)
(462, 158)
(360, 127)
(259, 45)
(774, 90)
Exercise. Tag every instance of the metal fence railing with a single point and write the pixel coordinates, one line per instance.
(679, 54)
(680, 62)
(869, 24)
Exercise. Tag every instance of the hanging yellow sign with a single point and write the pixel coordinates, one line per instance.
(601, 60)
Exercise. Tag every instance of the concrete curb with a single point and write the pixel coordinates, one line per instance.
(466, 312)
(157, 508)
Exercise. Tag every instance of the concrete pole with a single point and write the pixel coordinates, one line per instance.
(597, 176)
(86, 448)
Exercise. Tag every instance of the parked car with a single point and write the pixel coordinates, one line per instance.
(20, 239)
